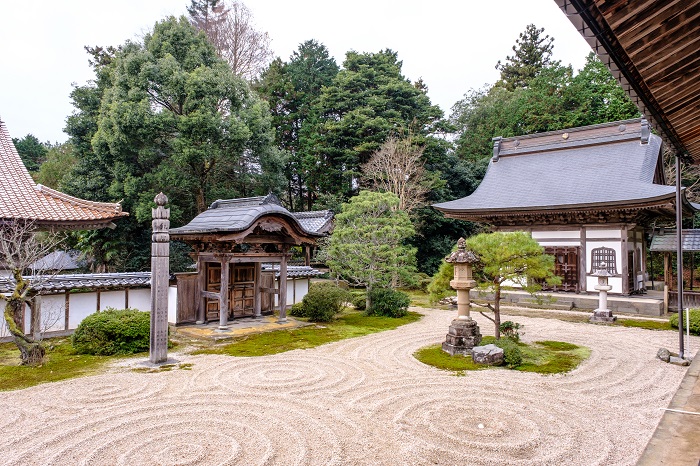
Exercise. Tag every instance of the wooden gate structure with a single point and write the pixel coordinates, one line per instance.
(231, 241)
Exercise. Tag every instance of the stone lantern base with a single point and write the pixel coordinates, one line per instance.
(462, 336)
(603, 315)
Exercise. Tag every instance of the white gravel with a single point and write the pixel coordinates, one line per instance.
(363, 401)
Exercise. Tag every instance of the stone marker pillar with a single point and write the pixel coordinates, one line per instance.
(463, 334)
(160, 278)
(602, 314)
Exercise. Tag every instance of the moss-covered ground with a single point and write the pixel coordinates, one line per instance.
(61, 362)
(542, 357)
(348, 325)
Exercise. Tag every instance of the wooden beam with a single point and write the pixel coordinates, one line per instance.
(223, 295)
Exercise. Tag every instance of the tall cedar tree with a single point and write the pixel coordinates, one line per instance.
(292, 90)
(533, 53)
(166, 115)
(366, 102)
(31, 151)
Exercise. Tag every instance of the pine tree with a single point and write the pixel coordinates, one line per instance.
(533, 53)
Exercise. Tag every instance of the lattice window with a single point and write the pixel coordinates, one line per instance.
(600, 255)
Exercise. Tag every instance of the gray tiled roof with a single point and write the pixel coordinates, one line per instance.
(89, 281)
(316, 220)
(598, 166)
(665, 241)
(293, 271)
(57, 260)
(231, 215)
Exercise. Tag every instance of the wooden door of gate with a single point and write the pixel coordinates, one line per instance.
(565, 267)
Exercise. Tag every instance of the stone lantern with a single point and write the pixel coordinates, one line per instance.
(463, 334)
(602, 314)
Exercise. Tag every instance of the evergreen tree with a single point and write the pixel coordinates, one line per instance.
(31, 151)
(533, 53)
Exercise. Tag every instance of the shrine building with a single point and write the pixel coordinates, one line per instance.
(239, 246)
(585, 194)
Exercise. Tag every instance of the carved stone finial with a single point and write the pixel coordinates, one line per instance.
(462, 254)
(161, 199)
(646, 131)
(496, 148)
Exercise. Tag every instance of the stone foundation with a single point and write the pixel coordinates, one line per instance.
(603, 316)
(462, 336)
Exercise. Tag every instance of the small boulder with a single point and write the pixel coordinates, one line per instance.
(679, 361)
(663, 354)
(488, 354)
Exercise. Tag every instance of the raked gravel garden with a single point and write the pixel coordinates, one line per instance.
(360, 401)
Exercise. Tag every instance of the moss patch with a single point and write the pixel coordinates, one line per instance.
(61, 362)
(421, 299)
(647, 324)
(542, 357)
(348, 325)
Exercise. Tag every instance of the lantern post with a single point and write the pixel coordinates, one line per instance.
(603, 314)
(464, 333)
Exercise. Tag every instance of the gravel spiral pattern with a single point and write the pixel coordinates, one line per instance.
(363, 401)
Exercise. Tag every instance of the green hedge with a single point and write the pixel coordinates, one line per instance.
(113, 331)
(389, 303)
(694, 321)
(323, 301)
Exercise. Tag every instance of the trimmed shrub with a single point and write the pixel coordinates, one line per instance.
(509, 329)
(694, 321)
(512, 356)
(360, 301)
(389, 303)
(297, 310)
(113, 331)
(323, 302)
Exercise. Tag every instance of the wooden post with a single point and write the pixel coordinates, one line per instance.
(257, 303)
(201, 286)
(223, 294)
(282, 297)
(160, 281)
(66, 314)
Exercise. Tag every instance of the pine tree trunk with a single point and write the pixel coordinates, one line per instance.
(497, 310)
(31, 352)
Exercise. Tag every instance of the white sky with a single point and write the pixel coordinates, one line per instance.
(453, 45)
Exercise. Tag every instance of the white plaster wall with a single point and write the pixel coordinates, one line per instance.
(592, 242)
(568, 234)
(301, 290)
(557, 237)
(81, 306)
(3, 325)
(140, 299)
(592, 233)
(172, 304)
(53, 312)
(113, 299)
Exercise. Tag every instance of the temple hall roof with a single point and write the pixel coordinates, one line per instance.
(22, 199)
(612, 165)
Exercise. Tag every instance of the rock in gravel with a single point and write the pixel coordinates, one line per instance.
(663, 354)
(679, 361)
(488, 354)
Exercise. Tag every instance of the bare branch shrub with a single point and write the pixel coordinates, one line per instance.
(21, 247)
(229, 26)
(397, 167)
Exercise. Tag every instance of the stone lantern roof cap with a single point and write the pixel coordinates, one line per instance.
(462, 255)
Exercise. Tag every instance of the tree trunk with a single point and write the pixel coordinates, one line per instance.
(368, 299)
(497, 310)
(31, 352)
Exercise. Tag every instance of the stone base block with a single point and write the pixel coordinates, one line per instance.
(462, 336)
(488, 354)
(603, 316)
